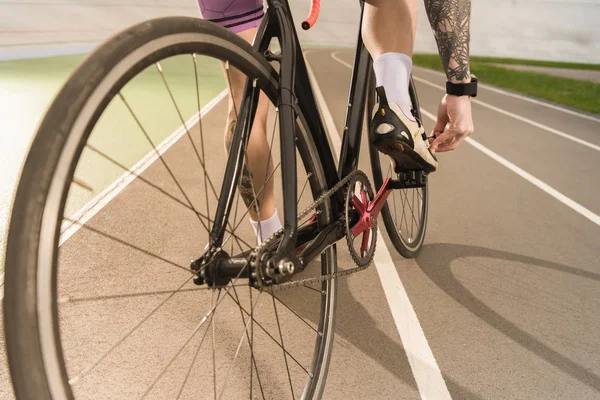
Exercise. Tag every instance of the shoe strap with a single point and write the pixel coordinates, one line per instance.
(381, 96)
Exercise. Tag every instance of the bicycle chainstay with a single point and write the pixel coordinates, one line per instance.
(256, 254)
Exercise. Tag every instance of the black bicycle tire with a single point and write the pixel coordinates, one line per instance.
(403, 248)
(24, 339)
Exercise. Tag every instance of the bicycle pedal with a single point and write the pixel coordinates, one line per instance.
(409, 180)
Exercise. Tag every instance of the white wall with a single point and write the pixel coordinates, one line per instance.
(567, 30)
(40, 27)
(559, 30)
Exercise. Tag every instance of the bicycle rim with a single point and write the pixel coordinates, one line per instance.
(75, 317)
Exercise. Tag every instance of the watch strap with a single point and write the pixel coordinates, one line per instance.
(463, 89)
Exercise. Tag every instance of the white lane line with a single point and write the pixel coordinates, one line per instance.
(518, 117)
(97, 203)
(334, 55)
(595, 218)
(520, 97)
(522, 173)
(427, 374)
(92, 207)
(501, 111)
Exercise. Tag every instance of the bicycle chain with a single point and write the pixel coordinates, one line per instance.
(257, 252)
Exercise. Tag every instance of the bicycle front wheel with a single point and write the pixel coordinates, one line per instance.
(100, 300)
(405, 211)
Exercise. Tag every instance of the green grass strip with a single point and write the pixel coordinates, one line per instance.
(573, 93)
(536, 63)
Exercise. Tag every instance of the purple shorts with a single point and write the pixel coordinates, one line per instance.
(235, 15)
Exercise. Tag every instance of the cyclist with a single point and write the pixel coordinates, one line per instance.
(388, 31)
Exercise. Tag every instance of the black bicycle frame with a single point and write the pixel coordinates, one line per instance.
(295, 92)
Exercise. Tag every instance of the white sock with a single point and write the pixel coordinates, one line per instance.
(392, 71)
(267, 227)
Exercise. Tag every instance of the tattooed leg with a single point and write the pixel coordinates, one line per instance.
(257, 166)
(450, 21)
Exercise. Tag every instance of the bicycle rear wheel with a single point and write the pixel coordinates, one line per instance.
(99, 298)
(405, 211)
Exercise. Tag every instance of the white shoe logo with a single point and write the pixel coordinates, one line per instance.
(384, 128)
(405, 135)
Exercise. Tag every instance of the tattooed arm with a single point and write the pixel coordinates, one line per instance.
(450, 21)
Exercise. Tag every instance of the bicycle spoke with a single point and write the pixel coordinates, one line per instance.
(303, 187)
(187, 375)
(212, 186)
(106, 235)
(412, 213)
(411, 210)
(312, 288)
(201, 135)
(160, 156)
(250, 340)
(252, 346)
(389, 175)
(208, 314)
(416, 206)
(237, 351)
(271, 337)
(188, 340)
(187, 131)
(212, 325)
(252, 361)
(282, 344)
(86, 371)
(162, 191)
(137, 176)
(70, 300)
(404, 204)
(395, 205)
(295, 313)
(403, 214)
(259, 229)
(90, 368)
(308, 218)
(237, 203)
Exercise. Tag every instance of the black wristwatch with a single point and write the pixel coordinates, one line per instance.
(463, 89)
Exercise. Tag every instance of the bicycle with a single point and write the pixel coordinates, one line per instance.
(55, 348)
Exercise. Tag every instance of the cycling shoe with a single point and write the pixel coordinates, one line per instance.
(401, 138)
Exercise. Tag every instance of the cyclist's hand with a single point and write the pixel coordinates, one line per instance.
(454, 123)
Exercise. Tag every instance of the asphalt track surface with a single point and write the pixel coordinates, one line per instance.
(505, 294)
